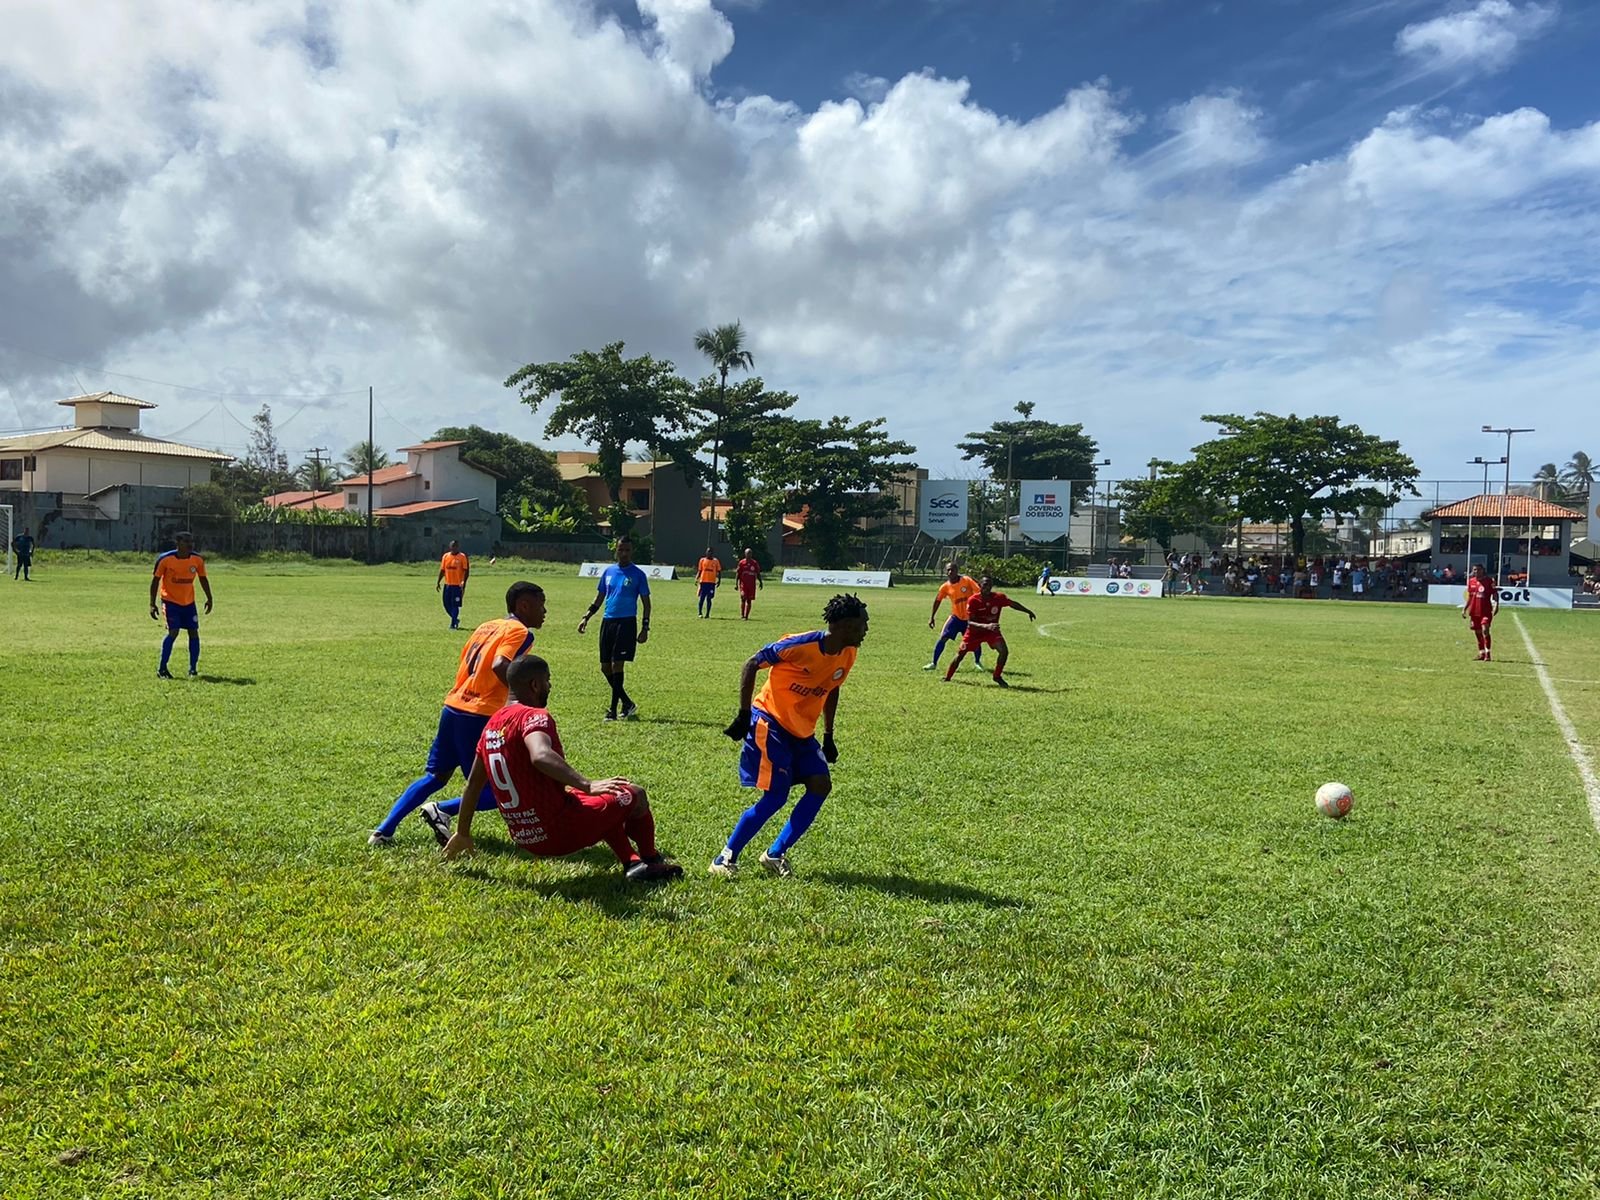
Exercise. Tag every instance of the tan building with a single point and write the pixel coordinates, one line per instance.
(102, 450)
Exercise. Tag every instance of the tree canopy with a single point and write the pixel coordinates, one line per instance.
(1033, 449)
(610, 401)
(1290, 469)
(837, 472)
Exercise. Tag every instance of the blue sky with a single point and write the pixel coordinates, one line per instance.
(1129, 213)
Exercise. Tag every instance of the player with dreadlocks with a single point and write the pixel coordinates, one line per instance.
(778, 729)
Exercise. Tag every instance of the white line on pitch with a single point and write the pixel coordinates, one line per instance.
(1580, 756)
(1044, 630)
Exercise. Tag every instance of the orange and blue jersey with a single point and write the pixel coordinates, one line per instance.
(800, 678)
(478, 689)
(958, 593)
(177, 576)
(455, 567)
(710, 570)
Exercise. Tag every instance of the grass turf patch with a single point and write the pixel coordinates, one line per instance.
(1088, 936)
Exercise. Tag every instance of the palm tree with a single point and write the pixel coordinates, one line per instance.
(365, 457)
(1579, 475)
(1547, 479)
(319, 475)
(724, 346)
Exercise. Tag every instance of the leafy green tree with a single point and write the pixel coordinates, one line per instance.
(1161, 510)
(837, 473)
(525, 474)
(1033, 449)
(365, 458)
(531, 516)
(612, 402)
(724, 346)
(263, 470)
(1292, 469)
(739, 413)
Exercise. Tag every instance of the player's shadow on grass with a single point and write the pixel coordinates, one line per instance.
(236, 680)
(602, 886)
(704, 724)
(918, 889)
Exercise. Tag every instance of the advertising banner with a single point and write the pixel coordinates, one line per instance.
(844, 579)
(944, 508)
(651, 570)
(1510, 597)
(1138, 589)
(1045, 509)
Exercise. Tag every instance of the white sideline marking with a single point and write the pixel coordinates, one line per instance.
(1580, 756)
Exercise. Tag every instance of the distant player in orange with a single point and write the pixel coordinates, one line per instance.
(479, 691)
(709, 573)
(454, 568)
(779, 726)
(959, 589)
(549, 808)
(175, 575)
(983, 628)
(748, 572)
(1480, 607)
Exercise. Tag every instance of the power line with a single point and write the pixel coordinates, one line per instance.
(182, 387)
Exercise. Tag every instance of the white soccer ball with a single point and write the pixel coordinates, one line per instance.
(1334, 800)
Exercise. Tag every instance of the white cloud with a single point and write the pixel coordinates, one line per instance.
(1485, 37)
(425, 195)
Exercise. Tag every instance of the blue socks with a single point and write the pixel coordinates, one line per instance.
(451, 807)
(799, 821)
(194, 652)
(170, 640)
(166, 649)
(411, 799)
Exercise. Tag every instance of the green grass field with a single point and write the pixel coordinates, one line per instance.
(1086, 937)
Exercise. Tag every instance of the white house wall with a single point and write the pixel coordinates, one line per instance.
(453, 479)
(68, 470)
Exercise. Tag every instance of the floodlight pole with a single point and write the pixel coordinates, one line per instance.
(371, 454)
(1105, 513)
(1484, 463)
(1505, 503)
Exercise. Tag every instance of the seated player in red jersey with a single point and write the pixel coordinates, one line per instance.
(1480, 607)
(983, 627)
(550, 809)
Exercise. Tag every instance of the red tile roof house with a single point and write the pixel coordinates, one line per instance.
(426, 501)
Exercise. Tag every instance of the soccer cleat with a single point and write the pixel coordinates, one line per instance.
(379, 839)
(163, 673)
(1001, 680)
(610, 716)
(930, 666)
(724, 865)
(1487, 657)
(193, 674)
(630, 712)
(777, 864)
(436, 821)
(653, 870)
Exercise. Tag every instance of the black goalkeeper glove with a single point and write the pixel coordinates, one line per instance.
(740, 726)
(829, 750)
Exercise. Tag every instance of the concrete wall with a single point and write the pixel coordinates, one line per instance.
(446, 477)
(82, 471)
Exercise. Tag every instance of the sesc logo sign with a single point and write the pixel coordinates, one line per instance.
(944, 509)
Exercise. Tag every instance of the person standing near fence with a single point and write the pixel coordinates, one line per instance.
(22, 547)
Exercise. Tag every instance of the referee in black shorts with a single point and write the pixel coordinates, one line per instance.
(623, 587)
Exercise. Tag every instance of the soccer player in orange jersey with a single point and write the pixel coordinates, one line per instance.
(959, 589)
(454, 568)
(709, 572)
(778, 729)
(748, 572)
(983, 628)
(479, 691)
(176, 573)
(550, 809)
(1480, 607)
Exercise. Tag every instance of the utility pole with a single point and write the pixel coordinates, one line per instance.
(370, 456)
(1505, 503)
(315, 455)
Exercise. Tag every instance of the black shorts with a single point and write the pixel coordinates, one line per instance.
(619, 637)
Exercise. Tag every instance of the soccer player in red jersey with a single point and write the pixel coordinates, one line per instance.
(1482, 603)
(983, 627)
(748, 573)
(550, 808)
(779, 726)
(958, 589)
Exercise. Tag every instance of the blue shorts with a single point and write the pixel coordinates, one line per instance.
(456, 743)
(774, 758)
(707, 590)
(953, 628)
(182, 616)
(452, 594)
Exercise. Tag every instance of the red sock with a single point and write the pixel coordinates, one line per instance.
(641, 827)
(1479, 634)
(997, 672)
(621, 846)
(950, 674)
(1486, 641)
